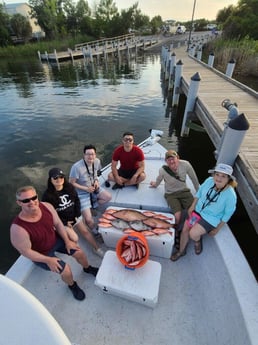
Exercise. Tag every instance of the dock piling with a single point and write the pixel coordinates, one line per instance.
(230, 68)
(178, 75)
(232, 139)
(190, 103)
(211, 59)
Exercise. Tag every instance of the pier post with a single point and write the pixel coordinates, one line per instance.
(163, 57)
(192, 50)
(55, 53)
(230, 68)
(46, 55)
(167, 65)
(199, 54)
(190, 103)
(70, 52)
(172, 65)
(105, 53)
(118, 52)
(232, 140)
(128, 49)
(211, 60)
(232, 113)
(178, 75)
(90, 55)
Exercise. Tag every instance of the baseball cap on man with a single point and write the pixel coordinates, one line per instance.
(171, 153)
(224, 169)
(54, 172)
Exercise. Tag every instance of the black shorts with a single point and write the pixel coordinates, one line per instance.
(128, 174)
(207, 226)
(58, 247)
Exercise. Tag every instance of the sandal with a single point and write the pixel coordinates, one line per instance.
(178, 255)
(177, 239)
(198, 247)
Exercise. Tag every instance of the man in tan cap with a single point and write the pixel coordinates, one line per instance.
(174, 173)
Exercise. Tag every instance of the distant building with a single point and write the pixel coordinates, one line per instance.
(24, 9)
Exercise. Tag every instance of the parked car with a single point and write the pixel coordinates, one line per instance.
(211, 26)
(181, 29)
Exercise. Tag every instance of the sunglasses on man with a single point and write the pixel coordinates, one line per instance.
(26, 201)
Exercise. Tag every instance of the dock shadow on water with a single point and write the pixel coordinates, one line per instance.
(49, 112)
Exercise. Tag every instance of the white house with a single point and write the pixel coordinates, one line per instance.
(24, 9)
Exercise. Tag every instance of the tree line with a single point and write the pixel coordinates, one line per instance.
(59, 18)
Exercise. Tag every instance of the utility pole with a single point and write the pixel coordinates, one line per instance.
(191, 29)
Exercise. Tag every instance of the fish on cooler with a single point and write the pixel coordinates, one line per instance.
(138, 225)
(119, 224)
(157, 223)
(129, 215)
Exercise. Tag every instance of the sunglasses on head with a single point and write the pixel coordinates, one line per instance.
(26, 201)
(57, 177)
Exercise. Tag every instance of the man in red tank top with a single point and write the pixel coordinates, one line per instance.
(37, 233)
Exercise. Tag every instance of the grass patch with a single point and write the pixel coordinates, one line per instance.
(31, 49)
(244, 52)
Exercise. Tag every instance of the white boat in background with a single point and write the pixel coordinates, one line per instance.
(207, 299)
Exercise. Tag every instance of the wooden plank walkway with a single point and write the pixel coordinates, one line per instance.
(214, 88)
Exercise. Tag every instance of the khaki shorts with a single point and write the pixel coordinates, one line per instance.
(180, 200)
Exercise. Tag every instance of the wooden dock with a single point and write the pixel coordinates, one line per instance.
(213, 89)
(100, 48)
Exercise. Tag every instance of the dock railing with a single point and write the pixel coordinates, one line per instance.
(107, 42)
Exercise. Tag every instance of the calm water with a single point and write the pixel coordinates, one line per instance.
(48, 113)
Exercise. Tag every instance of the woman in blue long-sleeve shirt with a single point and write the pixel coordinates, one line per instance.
(213, 205)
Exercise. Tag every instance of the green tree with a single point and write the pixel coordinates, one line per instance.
(77, 16)
(21, 27)
(46, 12)
(141, 20)
(200, 24)
(105, 12)
(4, 24)
(224, 14)
(156, 23)
(70, 15)
(83, 12)
(242, 21)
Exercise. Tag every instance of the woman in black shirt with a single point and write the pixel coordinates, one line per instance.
(63, 196)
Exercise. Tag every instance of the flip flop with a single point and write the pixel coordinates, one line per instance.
(198, 246)
(178, 255)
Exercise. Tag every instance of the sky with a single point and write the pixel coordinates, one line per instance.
(180, 10)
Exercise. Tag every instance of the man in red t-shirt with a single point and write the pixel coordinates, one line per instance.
(131, 159)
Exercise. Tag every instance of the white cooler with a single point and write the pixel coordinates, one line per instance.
(140, 285)
(159, 245)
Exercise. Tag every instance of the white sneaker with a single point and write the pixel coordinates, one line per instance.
(98, 252)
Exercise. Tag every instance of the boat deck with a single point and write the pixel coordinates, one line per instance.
(197, 305)
(199, 302)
